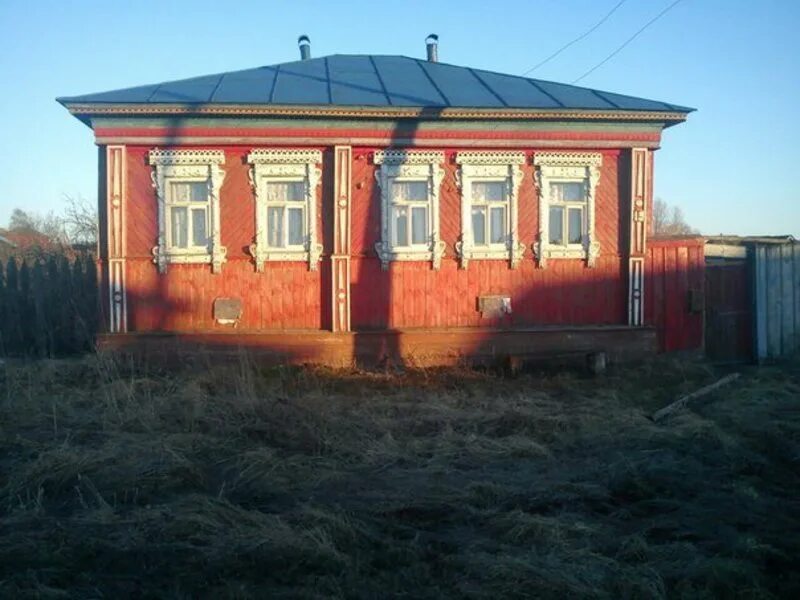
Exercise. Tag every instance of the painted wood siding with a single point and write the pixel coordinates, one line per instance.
(412, 294)
(777, 287)
(674, 268)
(285, 296)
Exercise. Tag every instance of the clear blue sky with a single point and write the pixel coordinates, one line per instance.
(733, 166)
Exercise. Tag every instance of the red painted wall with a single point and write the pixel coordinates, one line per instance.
(411, 294)
(287, 295)
(673, 269)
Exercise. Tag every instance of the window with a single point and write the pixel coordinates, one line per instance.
(567, 183)
(409, 183)
(489, 197)
(187, 184)
(285, 184)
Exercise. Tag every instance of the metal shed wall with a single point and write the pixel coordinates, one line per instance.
(777, 299)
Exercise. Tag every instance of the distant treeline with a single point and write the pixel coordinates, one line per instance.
(48, 307)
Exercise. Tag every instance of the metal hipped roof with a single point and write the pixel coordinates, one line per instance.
(343, 80)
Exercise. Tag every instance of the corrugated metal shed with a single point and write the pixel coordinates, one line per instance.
(375, 80)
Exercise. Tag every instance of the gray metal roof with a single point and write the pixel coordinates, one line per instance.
(364, 80)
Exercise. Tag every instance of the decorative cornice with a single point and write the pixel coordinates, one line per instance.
(568, 159)
(186, 157)
(284, 156)
(408, 157)
(89, 109)
(477, 157)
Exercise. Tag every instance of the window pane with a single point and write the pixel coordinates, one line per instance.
(568, 191)
(275, 227)
(285, 191)
(401, 226)
(498, 224)
(179, 227)
(408, 191)
(419, 225)
(189, 191)
(199, 236)
(295, 226)
(575, 225)
(489, 191)
(556, 225)
(479, 226)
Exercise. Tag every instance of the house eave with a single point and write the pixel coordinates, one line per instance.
(84, 111)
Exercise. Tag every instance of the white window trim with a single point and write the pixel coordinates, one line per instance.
(188, 165)
(490, 166)
(557, 167)
(410, 166)
(285, 165)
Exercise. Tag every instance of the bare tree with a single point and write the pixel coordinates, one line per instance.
(670, 220)
(80, 220)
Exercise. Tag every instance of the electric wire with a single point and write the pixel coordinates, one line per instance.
(628, 41)
(577, 39)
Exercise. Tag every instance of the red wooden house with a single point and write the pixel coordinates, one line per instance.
(384, 207)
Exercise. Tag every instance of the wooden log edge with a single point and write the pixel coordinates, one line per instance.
(684, 400)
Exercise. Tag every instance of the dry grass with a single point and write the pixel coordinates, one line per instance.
(120, 480)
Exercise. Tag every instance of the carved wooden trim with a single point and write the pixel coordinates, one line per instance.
(116, 196)
(636, 291)
(340, 259)
(551, 167)
(177, 164)
(269, 164)
(410, 164)
(479, 165)
(639, 200)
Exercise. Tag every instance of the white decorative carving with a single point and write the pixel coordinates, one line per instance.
(552, 167)
(188, 164)
(477, 166)
(410, 164)
(478, 157)
(186, 157)
(277, 164)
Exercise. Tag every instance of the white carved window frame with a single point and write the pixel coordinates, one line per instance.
(490, 166)
(567, 167)
(188, 165)
(409, 165)
(286, 165)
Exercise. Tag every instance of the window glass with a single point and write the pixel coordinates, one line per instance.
(556, 225)
(199, 236)
(568, 191)
(401, 226)
(189, 191)
(479, 226)
(295, 226)
(410, 191)
(575, 225)
(180, 233)
(275, 227)
(285, 191)
(419, 224)
(489, 191)
(498, 224)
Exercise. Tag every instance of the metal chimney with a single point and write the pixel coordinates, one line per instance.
(432, 42)
(305, 47)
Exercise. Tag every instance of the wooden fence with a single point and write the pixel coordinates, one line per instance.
(48, 307)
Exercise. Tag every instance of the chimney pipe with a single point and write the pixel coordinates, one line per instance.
(305, 47)
(432, 43)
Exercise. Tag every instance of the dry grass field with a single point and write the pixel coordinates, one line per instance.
(121, 480)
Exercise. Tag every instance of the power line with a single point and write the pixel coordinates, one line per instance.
(577, 39)
(626, 42)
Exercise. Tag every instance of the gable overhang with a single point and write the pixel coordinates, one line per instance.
(85, 112)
